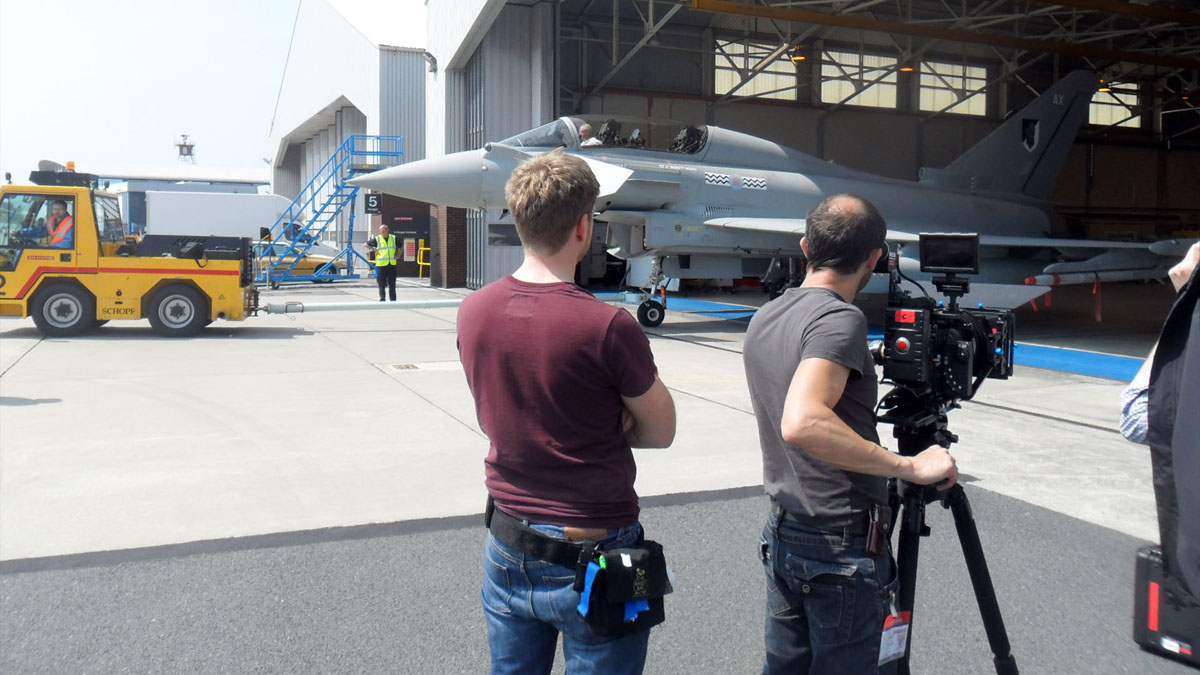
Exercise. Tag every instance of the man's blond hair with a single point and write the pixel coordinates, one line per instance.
(547, 196)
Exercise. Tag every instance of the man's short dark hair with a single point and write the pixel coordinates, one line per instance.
(59, 202)
(842, 232)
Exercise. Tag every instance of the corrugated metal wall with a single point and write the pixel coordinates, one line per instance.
(505, 56)
(402, 98)
(285, 178)
(475, 95)
(508, 89)
(517, 54)
(303, 160)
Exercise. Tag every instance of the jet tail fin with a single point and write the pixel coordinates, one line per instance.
(1027, 152)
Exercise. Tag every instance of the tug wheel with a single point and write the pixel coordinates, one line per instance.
(178, 311)
(64, 310)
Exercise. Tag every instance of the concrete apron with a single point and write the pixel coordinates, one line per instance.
(120, 439)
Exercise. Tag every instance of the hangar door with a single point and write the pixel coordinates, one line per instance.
(409, 221)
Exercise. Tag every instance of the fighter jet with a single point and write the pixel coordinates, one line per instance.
(707, 202)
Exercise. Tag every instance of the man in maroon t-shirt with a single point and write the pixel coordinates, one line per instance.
(564, 386)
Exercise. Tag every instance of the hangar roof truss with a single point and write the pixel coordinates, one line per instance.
(1154, 46)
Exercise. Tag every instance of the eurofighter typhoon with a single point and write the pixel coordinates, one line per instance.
(702, 200)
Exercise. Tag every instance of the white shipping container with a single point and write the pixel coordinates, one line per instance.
(212, 213)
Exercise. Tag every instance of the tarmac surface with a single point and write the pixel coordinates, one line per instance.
(226, 503)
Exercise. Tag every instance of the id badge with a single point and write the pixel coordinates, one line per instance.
(895, 637)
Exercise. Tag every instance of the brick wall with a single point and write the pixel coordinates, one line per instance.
(448, 241)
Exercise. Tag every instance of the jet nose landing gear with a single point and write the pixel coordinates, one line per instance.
(651, 313)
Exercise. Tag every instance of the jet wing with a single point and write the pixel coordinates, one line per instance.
(1172, 248)
(1047, 242)
(789, 226)
(1115, 261)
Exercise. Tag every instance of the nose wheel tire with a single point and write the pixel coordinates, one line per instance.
(651, 313)
(178, 311)
(64, 311)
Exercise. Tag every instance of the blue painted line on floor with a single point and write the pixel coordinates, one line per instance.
(1078, 361)
(1062, 359)
(717, 310)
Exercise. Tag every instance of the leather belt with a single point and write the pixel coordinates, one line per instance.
(858, 524)
(520, 537)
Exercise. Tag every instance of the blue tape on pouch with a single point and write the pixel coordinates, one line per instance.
(635, 607)
(585, 596)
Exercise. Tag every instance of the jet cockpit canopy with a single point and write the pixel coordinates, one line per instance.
(616, 132)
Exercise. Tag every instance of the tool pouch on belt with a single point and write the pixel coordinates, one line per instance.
(621, 590)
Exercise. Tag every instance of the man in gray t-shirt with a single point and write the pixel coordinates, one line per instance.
(813, 387)
(812, 323)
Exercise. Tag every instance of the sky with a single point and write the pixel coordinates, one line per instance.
(118, 82)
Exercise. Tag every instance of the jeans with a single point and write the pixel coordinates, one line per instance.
(826, 600)
(385, 278)
(527, 602)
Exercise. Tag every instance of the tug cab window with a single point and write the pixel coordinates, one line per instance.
(34, 221)
(108, 218)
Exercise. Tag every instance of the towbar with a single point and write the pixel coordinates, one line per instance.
(296, 307)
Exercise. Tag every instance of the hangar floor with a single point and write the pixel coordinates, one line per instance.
(229, 503)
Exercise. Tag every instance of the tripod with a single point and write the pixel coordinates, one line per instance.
(916, 430)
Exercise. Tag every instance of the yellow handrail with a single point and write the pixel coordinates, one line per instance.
(422, 263)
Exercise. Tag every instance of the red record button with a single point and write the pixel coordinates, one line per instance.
(902, 345)
(906, 316)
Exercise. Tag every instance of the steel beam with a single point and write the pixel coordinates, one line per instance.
(956, 35)
(1010, 72)
(1130, 9)
(758, 68)
(788, 44)
(636, 48)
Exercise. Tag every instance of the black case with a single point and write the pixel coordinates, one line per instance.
(1166, 619)
(646, 578)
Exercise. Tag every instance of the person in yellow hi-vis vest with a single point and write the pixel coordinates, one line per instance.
(385, 261)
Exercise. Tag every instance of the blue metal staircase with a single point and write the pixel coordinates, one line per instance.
(318, 206)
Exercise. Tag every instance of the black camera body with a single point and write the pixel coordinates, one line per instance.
(939, 353)
(942, 353)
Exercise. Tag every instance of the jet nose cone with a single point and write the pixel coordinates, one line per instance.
(453, 180)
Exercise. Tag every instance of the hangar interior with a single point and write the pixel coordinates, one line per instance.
(883, 86)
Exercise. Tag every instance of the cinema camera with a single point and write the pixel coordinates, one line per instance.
(937, 354)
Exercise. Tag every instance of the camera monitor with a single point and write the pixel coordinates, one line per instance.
(950, 253)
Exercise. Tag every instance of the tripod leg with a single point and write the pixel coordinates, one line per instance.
(912, 527)
(981, 580)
